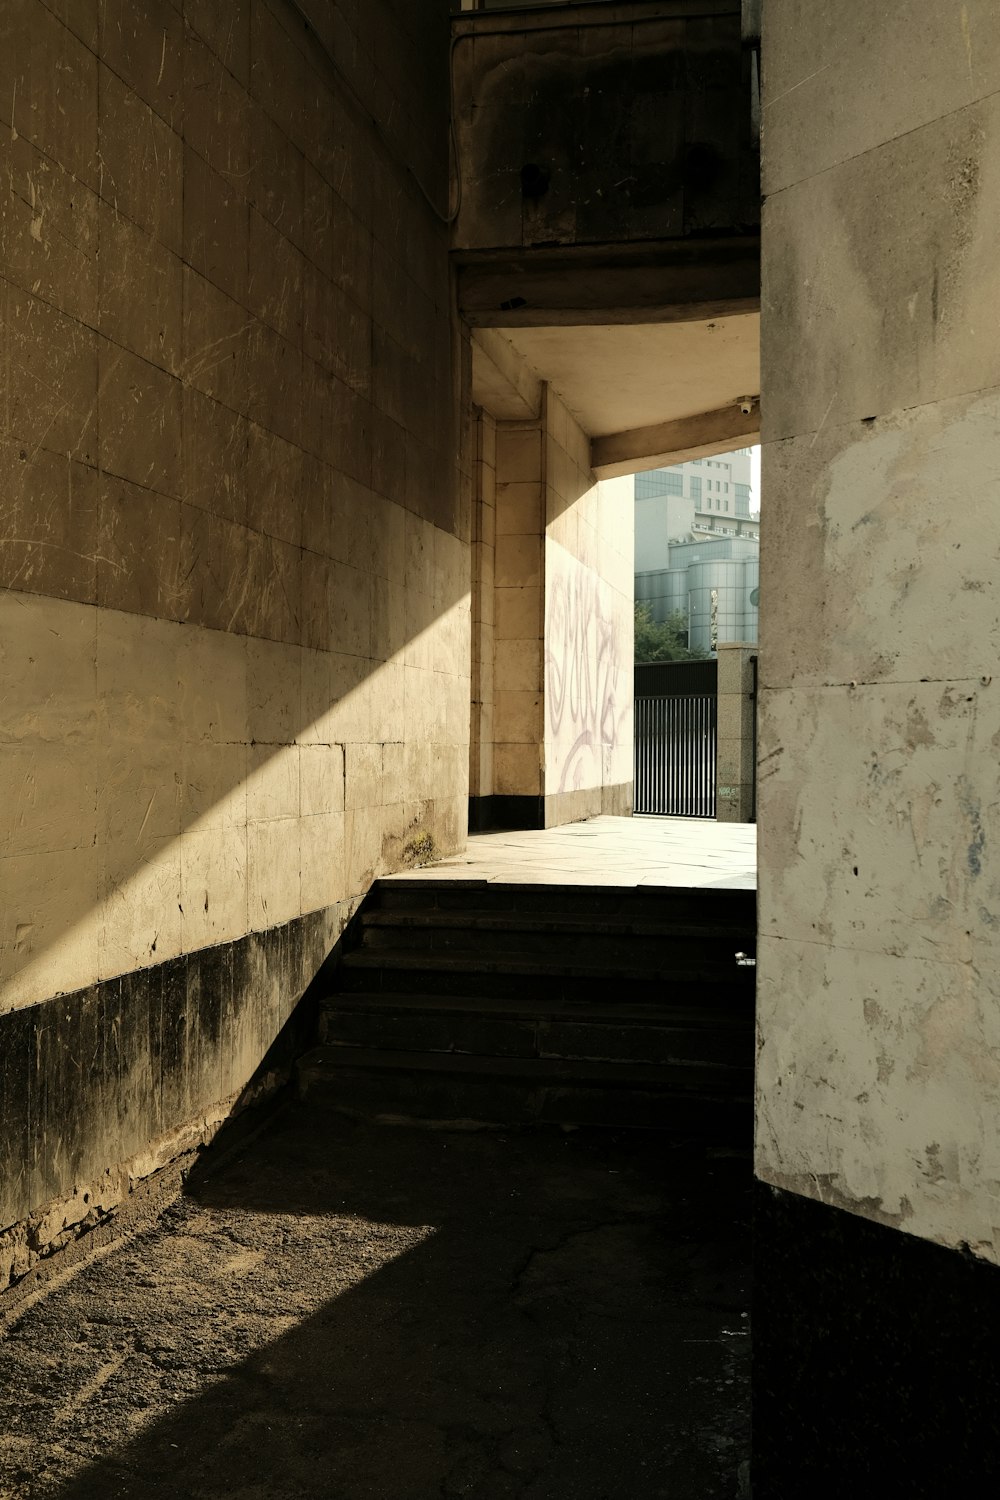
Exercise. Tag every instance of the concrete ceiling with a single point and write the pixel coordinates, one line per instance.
(625, 376)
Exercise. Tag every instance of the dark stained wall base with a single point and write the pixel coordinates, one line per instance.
(494, 814)
(96, 1083)
(876, 1359)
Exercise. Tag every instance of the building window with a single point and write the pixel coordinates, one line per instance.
(658, 482)
(743, 492)
(695, 483)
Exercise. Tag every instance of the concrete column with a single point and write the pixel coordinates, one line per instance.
(483, 558)
(518, 635)
(734, 801)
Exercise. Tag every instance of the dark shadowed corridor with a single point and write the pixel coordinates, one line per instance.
(362, 1311)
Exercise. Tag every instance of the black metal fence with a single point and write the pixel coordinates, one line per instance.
(676, 738)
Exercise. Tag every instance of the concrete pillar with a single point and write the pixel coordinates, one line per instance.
(734, 800)
(561, 629)
(483, 560)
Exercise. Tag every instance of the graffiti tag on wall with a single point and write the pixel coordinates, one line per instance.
(587, 682)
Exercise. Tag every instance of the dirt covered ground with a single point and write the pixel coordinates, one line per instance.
(348, 1311)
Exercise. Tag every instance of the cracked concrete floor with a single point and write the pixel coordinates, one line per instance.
(350, 1311)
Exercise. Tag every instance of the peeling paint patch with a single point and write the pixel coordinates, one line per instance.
(971, 807)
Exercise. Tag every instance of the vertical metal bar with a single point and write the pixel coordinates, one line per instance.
(712, 741)
(686, 762)
(662, 765)
(671, 802)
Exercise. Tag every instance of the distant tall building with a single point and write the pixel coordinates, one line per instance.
(697, 547)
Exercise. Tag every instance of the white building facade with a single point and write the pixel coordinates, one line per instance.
(697, 547)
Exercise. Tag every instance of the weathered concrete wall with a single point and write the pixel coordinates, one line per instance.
(234, 526)
(735, 761)
(879, 1071)
(580, 127)
(589, 620)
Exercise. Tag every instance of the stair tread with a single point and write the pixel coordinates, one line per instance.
(524, 1008)
(566, 1068)
(436, 885)
(703, 973)
(483, 921)
(574, 1071)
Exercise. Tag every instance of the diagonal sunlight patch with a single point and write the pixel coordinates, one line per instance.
(176, 787)
(116, 1356)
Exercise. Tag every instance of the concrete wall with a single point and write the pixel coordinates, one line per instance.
(656, 91)
(879, 1071)
(233, 546)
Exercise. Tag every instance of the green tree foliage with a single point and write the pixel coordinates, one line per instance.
(662, 642)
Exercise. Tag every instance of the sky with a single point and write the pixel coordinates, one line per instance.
(755, 477)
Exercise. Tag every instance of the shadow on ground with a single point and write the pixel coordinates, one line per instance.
(357, 1311)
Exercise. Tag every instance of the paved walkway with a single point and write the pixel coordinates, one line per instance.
(610, 851)
(346, 1312)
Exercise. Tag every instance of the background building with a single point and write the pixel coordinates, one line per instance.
(697, 547)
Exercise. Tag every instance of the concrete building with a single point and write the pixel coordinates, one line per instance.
(696, 551)
(713, 584)
(325, 326)
(710, 495)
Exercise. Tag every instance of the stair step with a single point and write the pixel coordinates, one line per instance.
(506, 1004)
(495, 974)
(525, 1006)
(580, 949)
(659, 903)
(594, 1072)
(505, 1091)
(585, 940)
(472, 1029)
(572, 924)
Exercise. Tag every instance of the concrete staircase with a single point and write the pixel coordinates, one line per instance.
(469, 1001)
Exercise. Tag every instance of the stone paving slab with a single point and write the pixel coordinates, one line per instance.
(688, 852)
(363, 1313)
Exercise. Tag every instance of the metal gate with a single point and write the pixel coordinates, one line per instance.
(676, 739)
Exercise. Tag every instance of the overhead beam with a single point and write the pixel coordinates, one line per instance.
(672, 282)
(503, 382)
(701, 436)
